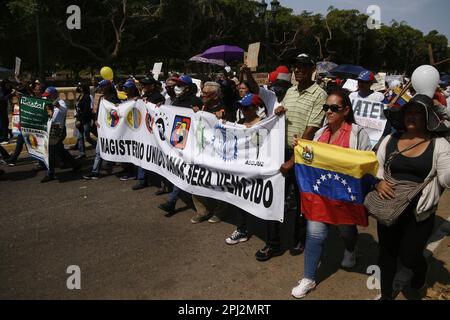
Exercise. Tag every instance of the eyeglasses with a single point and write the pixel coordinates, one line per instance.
(333, 108)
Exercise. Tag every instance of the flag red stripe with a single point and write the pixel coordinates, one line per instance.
(319, 208)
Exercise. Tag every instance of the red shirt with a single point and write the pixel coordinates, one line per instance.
(343, 138)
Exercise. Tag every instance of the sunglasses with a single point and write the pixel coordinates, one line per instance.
(333, 108)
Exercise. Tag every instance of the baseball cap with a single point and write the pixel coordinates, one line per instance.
(148, 80)
(273, 76)
(366, 76)
(284, 76)
(185, 80)
(129, 84)
(305, 58)
(282, 69)
(104, 83)
(250, 99)
(49, 91)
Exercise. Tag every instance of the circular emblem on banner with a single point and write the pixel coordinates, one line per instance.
(134, 118)
(112, 119)
(33, 141)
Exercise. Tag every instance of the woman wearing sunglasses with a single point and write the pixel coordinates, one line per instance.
(340, 130)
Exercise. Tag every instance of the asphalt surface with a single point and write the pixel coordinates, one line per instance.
(127, 249)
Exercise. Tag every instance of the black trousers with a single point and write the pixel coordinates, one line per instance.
(292, 207)
(4, 122)
(405, 240)
(56, 151)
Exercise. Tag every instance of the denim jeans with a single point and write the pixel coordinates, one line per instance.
(19, 147)
(98, 160)
(142, 177)
(84, 133)
(316, 234)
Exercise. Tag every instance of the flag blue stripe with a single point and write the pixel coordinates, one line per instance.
(333, 185)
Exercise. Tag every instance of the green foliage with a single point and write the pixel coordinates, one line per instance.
(131, 38)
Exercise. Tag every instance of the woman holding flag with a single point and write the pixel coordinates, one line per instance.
(341, 130)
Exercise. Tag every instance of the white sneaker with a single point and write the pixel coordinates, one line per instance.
(349, 259)
(303, 288)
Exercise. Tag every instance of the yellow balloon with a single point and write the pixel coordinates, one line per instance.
(107, 73)
(122, 95)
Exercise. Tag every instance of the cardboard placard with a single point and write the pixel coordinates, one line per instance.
(380, 85)
(253, 53)
(157, 67)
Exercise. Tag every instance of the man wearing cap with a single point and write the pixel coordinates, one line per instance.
(365, 80)
(59, 114)
(151, 94)
(185, 93)
(303, 106)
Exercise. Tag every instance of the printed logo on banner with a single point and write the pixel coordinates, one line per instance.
(225, 143)
(200, 135)
(161, 123)
(32, 140)
(180, 132)
(149, 120)
(134, 118)
(112, 119)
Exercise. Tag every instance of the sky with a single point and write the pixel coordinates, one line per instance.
(424, 15)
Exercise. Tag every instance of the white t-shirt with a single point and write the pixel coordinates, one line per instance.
(59, 114)
(270, 99)
(375, 96)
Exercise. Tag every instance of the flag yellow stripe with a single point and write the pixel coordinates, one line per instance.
(351, 162)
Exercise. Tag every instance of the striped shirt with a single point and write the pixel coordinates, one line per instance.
(304, 110)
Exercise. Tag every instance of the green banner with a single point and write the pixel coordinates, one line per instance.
(35, 126)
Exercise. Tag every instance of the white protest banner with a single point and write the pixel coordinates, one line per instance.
(157, 67)
(380, 85)
(253, 53)
(351, 85)
(199, 153)
(369, 114)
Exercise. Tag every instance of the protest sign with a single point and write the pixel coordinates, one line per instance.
(35, 126)
(369, 114)
(253, 53)
(380, 85)
(199, 153)
(157, 67)
(261, 78)
(198, 83)
(351, 85)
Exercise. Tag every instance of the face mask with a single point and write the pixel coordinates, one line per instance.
(178, 90)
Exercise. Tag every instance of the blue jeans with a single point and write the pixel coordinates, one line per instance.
(142, 177)
(174, 195)
(316, 234)
(84, 133)
(98, 160)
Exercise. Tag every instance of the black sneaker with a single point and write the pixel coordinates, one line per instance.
(237, 237)
(167, 207)
(48, 179)
(297, 250)
(92, 176)
(139, 186)
(268, 252)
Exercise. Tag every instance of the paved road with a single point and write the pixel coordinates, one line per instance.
(127, 249)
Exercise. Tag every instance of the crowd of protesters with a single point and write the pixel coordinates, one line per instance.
(314, 110)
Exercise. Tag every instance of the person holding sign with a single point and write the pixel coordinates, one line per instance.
(302, 105)
(58, 113)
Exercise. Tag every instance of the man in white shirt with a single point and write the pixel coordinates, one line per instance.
(58, 115)
(365, 81)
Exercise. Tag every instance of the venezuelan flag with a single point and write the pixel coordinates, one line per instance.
(333, 182)
(401, 101)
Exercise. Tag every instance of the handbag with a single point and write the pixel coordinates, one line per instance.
(387, 211)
